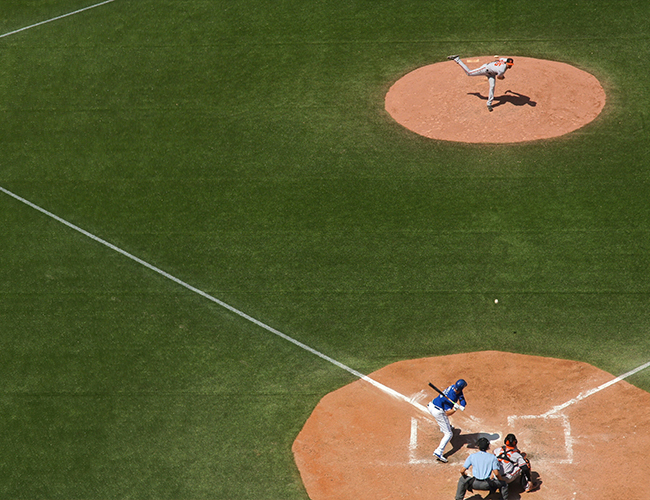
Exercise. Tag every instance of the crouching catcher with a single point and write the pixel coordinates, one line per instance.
(514, 464)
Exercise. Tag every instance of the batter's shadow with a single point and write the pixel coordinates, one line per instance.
(459, 440)
(510, 97)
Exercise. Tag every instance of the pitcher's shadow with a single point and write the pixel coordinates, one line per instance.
(515, 99)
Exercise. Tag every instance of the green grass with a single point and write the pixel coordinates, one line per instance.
(243, 147)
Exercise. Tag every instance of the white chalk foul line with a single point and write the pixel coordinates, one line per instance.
(591, 392)
(55, 18)
(554, 413)
(266, 327)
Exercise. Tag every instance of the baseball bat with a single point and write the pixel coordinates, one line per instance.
(456, 405)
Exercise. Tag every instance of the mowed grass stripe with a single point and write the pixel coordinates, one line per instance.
(381, 387)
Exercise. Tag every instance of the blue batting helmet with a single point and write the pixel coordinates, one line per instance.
(460, 384)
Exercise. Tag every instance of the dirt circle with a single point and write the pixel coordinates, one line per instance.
(360, 443)
(538, 99)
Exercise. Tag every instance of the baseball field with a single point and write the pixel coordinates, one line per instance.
(208, 215)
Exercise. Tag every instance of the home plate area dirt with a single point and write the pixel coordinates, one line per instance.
(538, 99)
(584, 444)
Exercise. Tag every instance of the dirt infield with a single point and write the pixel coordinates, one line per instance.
(538, 99)
(363, 444)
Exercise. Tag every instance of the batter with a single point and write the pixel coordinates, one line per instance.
(441, 408)
(493, 70)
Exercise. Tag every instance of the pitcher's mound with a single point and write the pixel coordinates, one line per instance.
(538, 99)
(586, 439)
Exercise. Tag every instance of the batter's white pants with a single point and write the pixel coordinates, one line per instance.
(445, 427)
(482, 71)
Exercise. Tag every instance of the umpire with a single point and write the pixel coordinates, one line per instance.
(485, 473)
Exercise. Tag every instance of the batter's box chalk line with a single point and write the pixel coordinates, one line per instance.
(429, 428)
(416, 458)
(536, 431)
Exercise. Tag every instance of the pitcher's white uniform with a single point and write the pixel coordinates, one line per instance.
(492, 70)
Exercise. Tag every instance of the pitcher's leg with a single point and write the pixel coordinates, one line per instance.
(470, 72)
(491, 81)
(462, 65)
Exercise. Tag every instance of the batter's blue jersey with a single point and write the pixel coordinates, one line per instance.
(456, 396)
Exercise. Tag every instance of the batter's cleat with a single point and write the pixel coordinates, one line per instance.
(440, 458)
(490, 108)
(452, 58)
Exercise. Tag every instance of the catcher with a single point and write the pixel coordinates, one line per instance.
(513, 464)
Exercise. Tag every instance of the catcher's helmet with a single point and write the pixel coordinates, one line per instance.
(510, 440)
(460, 384)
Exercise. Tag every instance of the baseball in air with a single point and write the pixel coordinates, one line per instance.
(496, 301)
